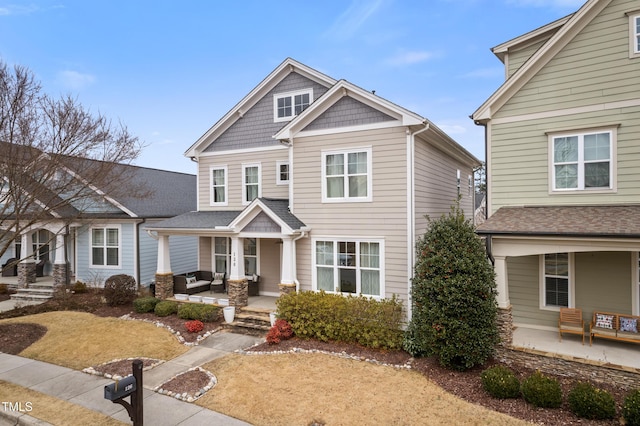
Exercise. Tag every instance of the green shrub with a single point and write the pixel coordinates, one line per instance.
(194, 311)
(631, 409)
(165, 308)
(453, 295)
(541, 391)
(589, 402)
(145, 304)
(120, 289)
(332, 317)
(500, 382)
(79, 287)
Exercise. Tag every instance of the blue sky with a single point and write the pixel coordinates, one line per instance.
(170, 69)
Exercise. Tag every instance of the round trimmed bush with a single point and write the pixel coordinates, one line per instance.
(589, 402)
(541, 391)
(193, 311)
(631, 409)
(120, 289)
(145, 304)
(500, 382)
(166, 308)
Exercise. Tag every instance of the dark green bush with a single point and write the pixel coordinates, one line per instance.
(453, 293)
(631, 409)
(145, 304)
(193, 311)
(165, 308)
(500, 382)
(120, 289)
(541, 391)
(332, 317)
(589, 402)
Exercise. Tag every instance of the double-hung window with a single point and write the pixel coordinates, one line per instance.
(634, 34)
(219, 194)
(105, 246)
(288, 105)
(349, 266)
(251, 182)
(346, 175)
(583, 161)
(556, 288)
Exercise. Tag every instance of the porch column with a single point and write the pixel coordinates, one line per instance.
(287, 274)
(60, 269)
(237, 284)
(164, 276)
(27, 266)
(502, 282)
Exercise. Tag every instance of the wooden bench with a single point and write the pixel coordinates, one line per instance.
(615, 326)
(571, 321)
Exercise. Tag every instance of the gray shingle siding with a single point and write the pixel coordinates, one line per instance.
(256, 128)
(262, 223)
(348, 112)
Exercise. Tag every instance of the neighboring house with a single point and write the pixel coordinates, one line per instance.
(563, 167)
(101, 235)
(315, 184)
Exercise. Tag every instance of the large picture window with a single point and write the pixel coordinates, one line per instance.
(346, 175)
(582, 161)
(250, 182)
(349, 266)
(219, 186)
(105, 246)
(556, 281)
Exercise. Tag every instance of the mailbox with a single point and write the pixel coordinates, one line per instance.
(120, 389)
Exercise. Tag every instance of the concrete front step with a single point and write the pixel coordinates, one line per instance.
(39, 293)
(248, 328)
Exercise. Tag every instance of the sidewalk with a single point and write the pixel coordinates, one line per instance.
(88, 391)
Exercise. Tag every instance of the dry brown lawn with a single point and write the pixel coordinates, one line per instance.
(53, 410)
(78, 340)
(295, 389)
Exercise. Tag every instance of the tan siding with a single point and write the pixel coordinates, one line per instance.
(205, 247)
(234, 161)
(269, 265)
(603, 282)
(436, 185)
(384, 217)
(593, 68)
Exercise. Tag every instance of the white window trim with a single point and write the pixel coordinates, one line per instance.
(105, 266)
(246, 202)
(572, 287)
(279, 181)
(257, 256)
(227, 254)
(613, 163)
(291, 95)
(357, 240)
(634, 44)
(212, 201)
(346, 198)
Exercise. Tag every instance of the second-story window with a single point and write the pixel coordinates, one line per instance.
(250, 182)
(219, 186)
(346, 175)
(582, 161)
(634, 35)
(282, 173)
(287, 105)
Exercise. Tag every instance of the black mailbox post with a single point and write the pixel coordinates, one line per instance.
(129, 386)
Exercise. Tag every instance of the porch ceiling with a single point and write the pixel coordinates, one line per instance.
(588, 221)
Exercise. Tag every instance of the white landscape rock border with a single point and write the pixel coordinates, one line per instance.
(185, 396)
(177, 334)
(94, 372)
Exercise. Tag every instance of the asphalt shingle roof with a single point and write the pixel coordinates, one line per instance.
(281, 208)
(599, 221)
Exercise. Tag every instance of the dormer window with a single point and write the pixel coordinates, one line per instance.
(287, 105)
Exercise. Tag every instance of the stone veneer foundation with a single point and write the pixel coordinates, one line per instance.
(238, 292)
(26, 274)
(164, 285)
(59, 275)
(286, 289)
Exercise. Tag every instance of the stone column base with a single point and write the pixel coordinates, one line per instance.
(26, 274)
(164, 285)
(238, 292)
(504, 322)
(59, 275)
(286, 289)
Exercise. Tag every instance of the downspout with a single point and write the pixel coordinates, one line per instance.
(411, 226)
(487, 243)
(303, 233)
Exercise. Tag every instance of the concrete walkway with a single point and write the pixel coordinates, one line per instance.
(88, 391)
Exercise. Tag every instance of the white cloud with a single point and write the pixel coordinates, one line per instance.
(410, 58)
(453, 129)
(350, 21)
(75, 80)
(14, 9)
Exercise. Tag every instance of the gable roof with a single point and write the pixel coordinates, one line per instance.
(576, 23)
(288, 66)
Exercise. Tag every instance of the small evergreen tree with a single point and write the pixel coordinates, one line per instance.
(453, 296)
